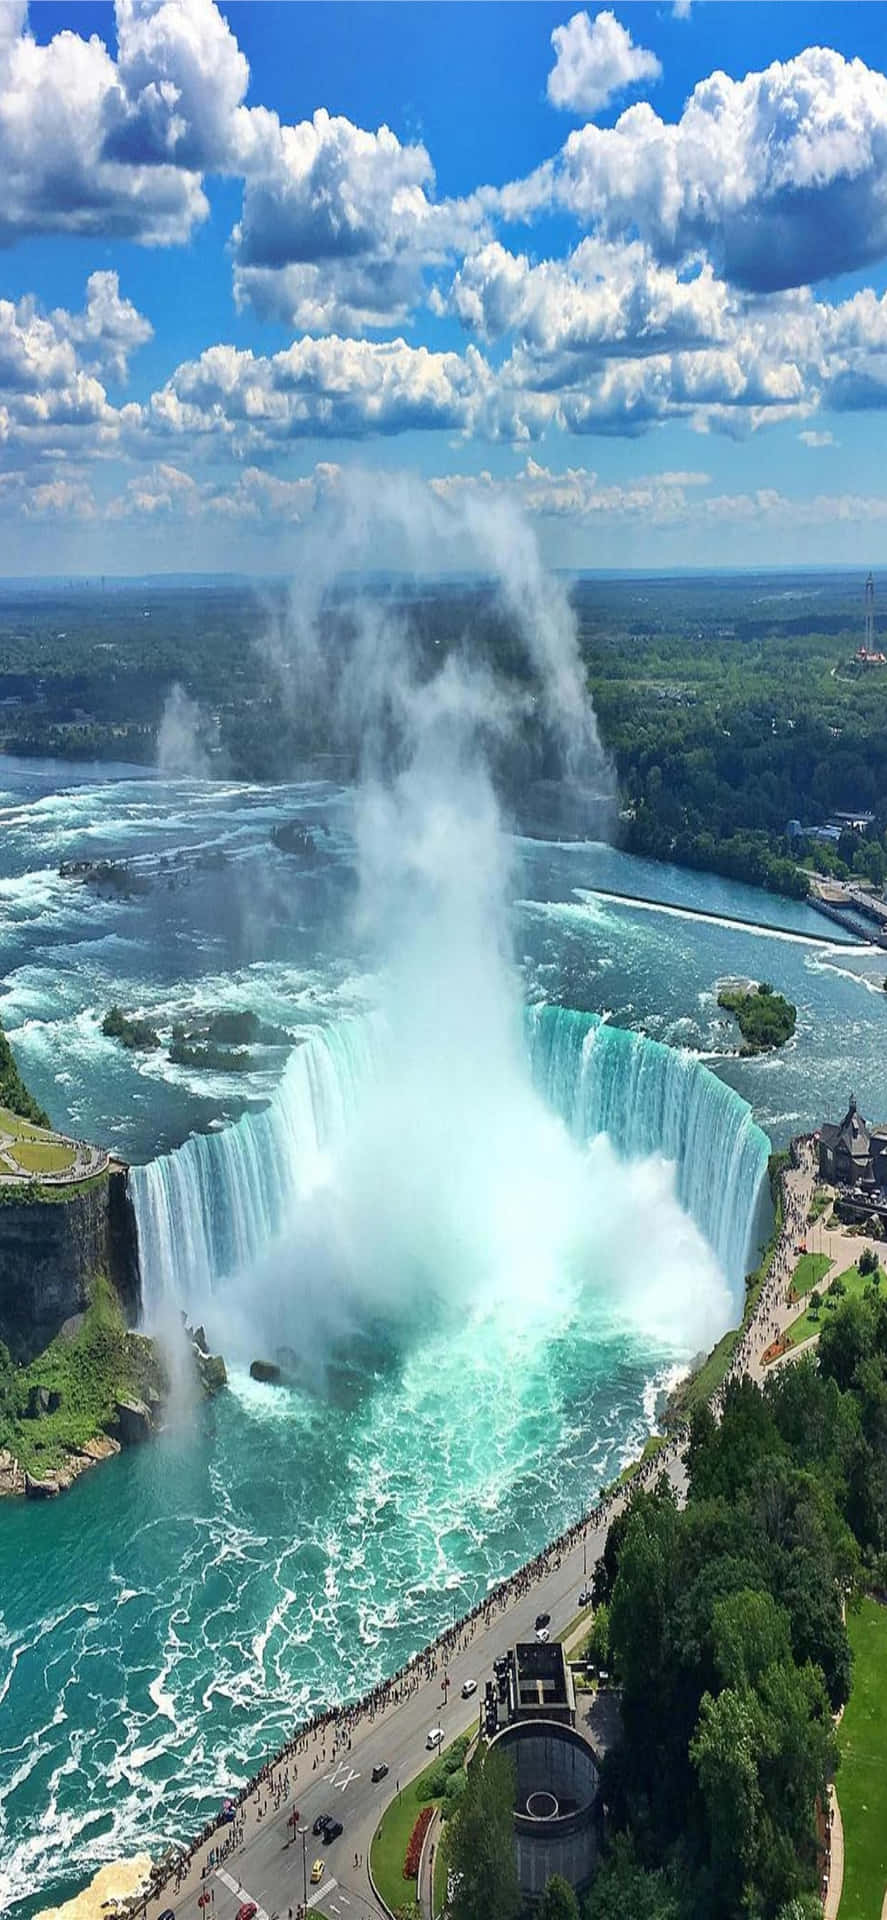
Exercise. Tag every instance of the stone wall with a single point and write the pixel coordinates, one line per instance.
(50, 1252)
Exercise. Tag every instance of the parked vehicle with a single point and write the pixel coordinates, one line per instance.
(436, 1737)
(332, 1831)
(317, 1872)
(321, 1823)
(468, 1689)
(379, 1771)
(543, 1620)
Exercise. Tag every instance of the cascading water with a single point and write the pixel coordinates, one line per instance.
(650, 1099)
(211, 1208)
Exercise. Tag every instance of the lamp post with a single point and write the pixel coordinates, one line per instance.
(304, 1832)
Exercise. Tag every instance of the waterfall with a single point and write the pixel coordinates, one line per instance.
(210, 1208)
(650, 1098)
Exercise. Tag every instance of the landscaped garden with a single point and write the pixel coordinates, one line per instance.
(862, 1776)
(850, 1285)
(440, 1784)
(811, 1268)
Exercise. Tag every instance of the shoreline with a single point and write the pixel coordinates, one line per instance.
(183, 1870)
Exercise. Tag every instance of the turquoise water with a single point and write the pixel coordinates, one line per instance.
(167, 1621)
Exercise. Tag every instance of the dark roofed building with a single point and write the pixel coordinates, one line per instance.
(853, 1155)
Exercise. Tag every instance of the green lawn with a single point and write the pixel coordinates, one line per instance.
(806, 1324)
(811, 1268)
(42, 1156)
(862, 1776)
(391, 1838)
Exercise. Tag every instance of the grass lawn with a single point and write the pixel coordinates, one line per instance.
(862, 1775)
(391, 1838)
(806, 1325)
(42, 1156)
(811, 1268)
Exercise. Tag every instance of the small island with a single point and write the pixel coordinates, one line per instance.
(765, 1019)
(218, 1042)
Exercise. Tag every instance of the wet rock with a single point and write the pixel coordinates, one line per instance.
(40, 1489)
(38, 1403)
(266, 1371)
(211, 1370)
(133, 1421)
(200, 1339)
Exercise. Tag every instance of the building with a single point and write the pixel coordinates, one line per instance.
(555, 1806)
(854, 1156)
(540, 1683)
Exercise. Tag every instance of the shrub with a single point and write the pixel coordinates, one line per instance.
(414, 1849)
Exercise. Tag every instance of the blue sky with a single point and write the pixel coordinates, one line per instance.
(624, 267)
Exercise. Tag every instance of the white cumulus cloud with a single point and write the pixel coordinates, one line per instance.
(596, 59)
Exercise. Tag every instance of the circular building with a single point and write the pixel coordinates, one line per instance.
(557, 1782)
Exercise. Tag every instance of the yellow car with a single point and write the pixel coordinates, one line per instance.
(317, 1871)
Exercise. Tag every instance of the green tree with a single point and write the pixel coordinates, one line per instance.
(481, 1844)
(625, 1890)
(558, 1900)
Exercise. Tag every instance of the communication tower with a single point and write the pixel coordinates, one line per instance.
(869, 640)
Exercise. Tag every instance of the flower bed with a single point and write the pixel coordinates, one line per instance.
(414, 1850)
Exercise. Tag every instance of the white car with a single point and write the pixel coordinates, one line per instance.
(543, 1634)
(468, 1689)
(435, 1738)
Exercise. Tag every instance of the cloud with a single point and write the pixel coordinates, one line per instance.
(339, 224)
(596, 59)
(181, 78)
(52, 369)
(779, 178)
(810, 438)
(59, 107)
(322, 388)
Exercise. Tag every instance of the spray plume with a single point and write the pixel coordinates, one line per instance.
(456, 1188)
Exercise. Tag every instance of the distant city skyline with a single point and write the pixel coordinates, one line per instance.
(624, 267)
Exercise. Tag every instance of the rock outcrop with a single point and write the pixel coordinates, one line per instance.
(50, 1253)
(267, 1371)
(134, 1423)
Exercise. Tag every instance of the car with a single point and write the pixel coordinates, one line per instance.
(332, 1832)
(543, 1620)
(379, 1771)
(248, 1911)
(317, 1872)
(167, 1914)
(321, 1823)
(543, 1634)
(469, 1687)
(585, 1597)
(436, 1738)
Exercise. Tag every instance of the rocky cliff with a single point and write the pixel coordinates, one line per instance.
(50, 1253)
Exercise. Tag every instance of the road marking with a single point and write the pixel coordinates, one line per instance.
(234, 1886)
(321, 1893)
(348, 1774)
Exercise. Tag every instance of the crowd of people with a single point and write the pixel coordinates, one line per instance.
(335, 1728)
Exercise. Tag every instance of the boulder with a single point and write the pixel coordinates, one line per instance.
(40, 1489)
(266, 1371)
(55, 1399)
(38, 1402)
(133, 1421)
(200, 1340)
(212, 1371)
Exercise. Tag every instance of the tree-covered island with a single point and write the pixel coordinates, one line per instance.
(765, 1019)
